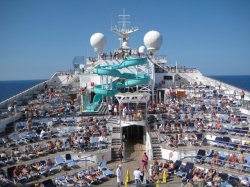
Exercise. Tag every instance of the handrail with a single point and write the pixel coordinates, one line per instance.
(11, 99)
(150, 148)
(38, 86)
(221, 83)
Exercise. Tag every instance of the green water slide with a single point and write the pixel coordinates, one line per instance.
(113, 70)
(113, 88)
(90, 107)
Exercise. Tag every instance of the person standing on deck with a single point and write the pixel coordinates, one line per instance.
(242, 95)
(144, 161)
(119, 175)
(45, 87)
(137, 174)
(241, 158)
(115, 110)
(150, 173)
(234, 94)
(110, 109)
(29, 122)
(120, 153)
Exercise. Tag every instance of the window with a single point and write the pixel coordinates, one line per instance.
(168, 78)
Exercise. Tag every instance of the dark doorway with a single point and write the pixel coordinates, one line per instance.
(133, 134)
(92, 94)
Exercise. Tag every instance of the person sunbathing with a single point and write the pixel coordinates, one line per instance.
(24, 171)
(233, 159)
(39, 151)
(81, 182)
(241, 158)
(217, 179)
(171, 166)
(90, 177)
(215, 159)
(209, 175)
(29, 149)
(65, 167)
(4, 156)
(16, 172)
(49, 163)
(58, 145)
(99, 173)
(49, 145)
(37, 167)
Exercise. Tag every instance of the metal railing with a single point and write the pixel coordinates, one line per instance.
(29, 91)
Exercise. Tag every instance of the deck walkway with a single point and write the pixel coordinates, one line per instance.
(132, 160)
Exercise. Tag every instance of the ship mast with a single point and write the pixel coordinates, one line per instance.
(123, 29)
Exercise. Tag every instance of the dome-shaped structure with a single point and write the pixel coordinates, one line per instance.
(98, 41)
(153, 40)
(142, 49)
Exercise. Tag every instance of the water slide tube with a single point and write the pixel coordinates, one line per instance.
(113, 88)
(113, 70)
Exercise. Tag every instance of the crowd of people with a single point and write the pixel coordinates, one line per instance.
(185, 121)
(47, 127)
(129, 112)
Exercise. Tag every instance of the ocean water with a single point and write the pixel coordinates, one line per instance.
(11, 88)
(240, 81)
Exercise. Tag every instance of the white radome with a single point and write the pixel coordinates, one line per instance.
(98, 41)
(142, 49)
(153, 40)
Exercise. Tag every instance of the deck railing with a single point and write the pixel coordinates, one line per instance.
(23, 95)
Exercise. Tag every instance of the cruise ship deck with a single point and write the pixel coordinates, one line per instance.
(77, 127)
(178, 129)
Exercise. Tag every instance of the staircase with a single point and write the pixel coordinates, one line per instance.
(179, 79)
(114, 121)
(115, 143)
(103, 110)
(156, 148)
(116, 137)
(116, 130)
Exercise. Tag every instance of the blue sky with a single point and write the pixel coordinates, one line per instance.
(40, 37)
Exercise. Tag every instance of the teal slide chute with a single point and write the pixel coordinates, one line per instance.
(113, 70)
(113, 88)
(90, 107)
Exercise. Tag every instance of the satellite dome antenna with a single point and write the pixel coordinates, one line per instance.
(153, 41)
(123, 29)
(98, 42)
